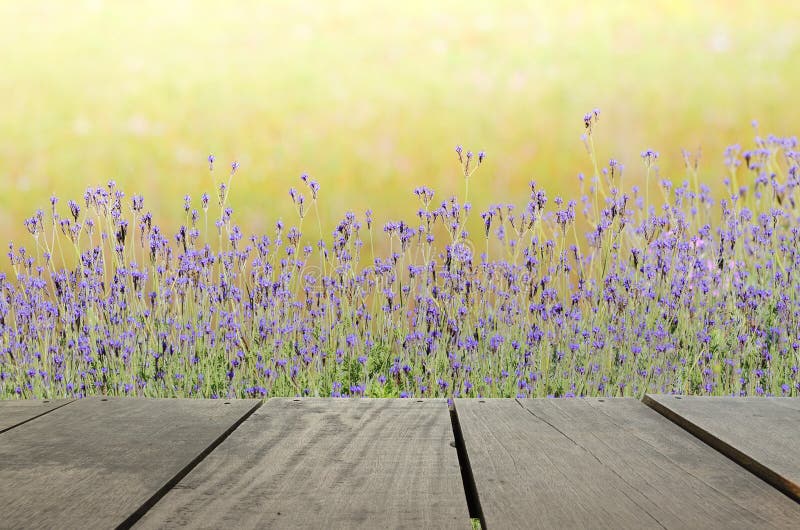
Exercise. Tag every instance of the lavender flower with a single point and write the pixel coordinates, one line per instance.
(698, 295)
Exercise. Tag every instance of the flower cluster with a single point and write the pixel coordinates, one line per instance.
(696, 293)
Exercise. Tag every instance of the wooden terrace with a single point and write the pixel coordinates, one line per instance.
(664, 462)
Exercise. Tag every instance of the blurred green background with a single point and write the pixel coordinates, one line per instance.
(371, 97)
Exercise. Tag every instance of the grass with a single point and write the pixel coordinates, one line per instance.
(671, 288)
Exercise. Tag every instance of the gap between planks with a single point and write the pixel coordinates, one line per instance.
(778, 481)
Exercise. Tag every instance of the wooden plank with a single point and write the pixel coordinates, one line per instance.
(735, 495)
(96, 462)
(18, 411)
(326, 463)
(605, 463)
(760, 434)
(792, 403)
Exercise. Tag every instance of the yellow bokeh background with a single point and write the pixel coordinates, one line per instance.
(370, 98)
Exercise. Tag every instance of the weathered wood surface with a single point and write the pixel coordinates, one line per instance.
(792, 403)
(95, 462)
(592, 463)
(326, 463)
(761, 434)
(19, 411)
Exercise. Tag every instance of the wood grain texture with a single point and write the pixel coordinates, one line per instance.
(326, 463)
(584, 463)
(792, 403)
(760, 434)
(19, 411)
(95, 462)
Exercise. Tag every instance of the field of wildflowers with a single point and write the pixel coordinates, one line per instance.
(619, 291)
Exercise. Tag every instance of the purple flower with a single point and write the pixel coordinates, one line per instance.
(696, 295)
(590, 118)
(649, 156)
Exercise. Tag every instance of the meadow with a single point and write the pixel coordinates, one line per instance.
(393, 270)
(672, 289)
